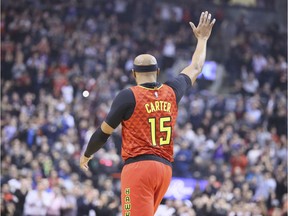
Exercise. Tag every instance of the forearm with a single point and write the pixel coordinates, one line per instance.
(97, 140)
(199, 56)
(198, 60)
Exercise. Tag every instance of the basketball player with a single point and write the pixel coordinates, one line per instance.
(148, 114)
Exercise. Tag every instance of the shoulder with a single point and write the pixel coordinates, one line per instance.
(179, 84)
(125, 96)
(125, 92)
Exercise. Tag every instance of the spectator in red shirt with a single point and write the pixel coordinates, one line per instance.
(239, 159)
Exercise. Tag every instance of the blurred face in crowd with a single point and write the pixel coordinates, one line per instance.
(41, 186)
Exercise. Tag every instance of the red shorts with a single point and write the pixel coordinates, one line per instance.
(143, 185)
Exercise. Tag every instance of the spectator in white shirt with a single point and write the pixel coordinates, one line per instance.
(37, 201)
(58, 203)
(254, 154)
(251, 84)
(259, 62)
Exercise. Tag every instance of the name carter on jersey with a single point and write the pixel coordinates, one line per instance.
(158, 106)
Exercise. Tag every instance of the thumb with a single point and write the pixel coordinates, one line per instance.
(192, 26)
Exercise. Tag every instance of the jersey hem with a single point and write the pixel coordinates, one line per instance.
(146, 157)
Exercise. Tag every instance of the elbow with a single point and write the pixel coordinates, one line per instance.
(197, 67)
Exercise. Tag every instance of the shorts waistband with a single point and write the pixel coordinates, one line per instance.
(147, 157)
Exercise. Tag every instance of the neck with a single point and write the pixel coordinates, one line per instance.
(146, 81)
(145, 78)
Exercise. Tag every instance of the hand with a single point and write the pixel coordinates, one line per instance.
(84, 162)
(204, 27)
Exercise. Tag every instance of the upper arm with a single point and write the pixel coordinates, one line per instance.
(179, 84)
(121, 109)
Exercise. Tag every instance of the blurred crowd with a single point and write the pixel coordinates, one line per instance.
(51, 51)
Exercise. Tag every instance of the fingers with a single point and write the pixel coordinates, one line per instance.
(201, 18)
(84, 162)
(205, 19)
(84, 167)
(209, 18)
(213, 22)
(192, 26)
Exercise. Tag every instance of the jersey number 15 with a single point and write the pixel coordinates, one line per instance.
(163, 140)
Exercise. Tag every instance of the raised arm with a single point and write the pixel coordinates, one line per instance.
(202, 33)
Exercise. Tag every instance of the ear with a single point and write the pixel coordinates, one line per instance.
(134, 74)
(158, 71)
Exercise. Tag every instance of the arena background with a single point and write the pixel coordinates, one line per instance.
(231, 134)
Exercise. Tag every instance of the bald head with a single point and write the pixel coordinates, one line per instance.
(145, 60)
(144, 65)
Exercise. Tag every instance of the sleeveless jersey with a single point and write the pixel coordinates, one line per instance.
(150, 128)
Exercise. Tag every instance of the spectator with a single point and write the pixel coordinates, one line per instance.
(254, 154)
(70, 207)
(37, 201)
(239, 160)
(250, 84)
(57, 202)
(182, 161)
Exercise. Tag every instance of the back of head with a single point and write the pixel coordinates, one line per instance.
(145, 60)
(145, 68)
(145, 63)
